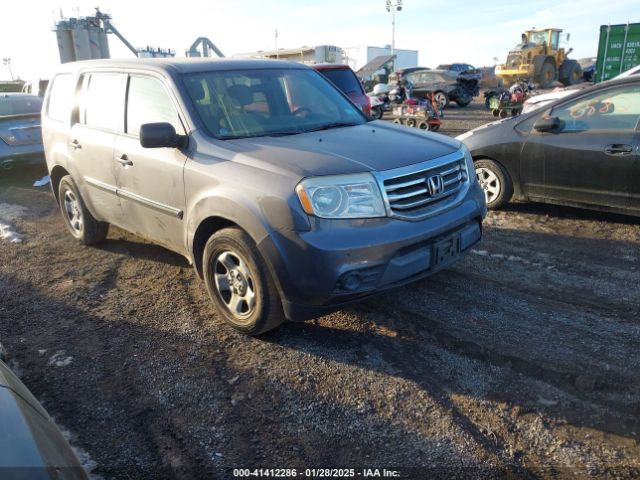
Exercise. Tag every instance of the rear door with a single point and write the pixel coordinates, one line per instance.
(95, 124)
(151, 186)
(593, 159)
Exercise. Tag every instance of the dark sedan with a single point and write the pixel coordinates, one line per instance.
(581, 150)
(20, 135)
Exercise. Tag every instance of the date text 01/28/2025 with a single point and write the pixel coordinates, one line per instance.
(316, 473)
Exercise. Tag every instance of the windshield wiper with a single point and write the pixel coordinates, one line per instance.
(329, 126)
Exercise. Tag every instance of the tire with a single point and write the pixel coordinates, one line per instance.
(570, 73)
(547, 75)
(442, 99)
(397, 121)
(434, 127)
(240, 284)
(464, 100)
(504, 114)
(423, 125)
(81, 224)
(495, 112)
(495, 182)
(377, 113)
(411, 122)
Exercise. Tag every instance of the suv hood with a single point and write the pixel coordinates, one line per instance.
(373, 146)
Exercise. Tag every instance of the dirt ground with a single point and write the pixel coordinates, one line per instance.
(521, 361)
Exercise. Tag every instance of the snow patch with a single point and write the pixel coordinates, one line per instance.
(509, 258)
(59, 359)
(9, 213)
(88, 463)
(42, 182)
(9, 234)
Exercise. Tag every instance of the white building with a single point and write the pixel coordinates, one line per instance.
(308, 55)
(358, 57)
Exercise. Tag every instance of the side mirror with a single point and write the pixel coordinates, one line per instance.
(159, 135)
(548, 124)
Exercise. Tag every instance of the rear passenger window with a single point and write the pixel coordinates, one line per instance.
(101, 104)
(148, 102)
(61, 98)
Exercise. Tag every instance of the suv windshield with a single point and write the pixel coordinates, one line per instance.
(268, 102)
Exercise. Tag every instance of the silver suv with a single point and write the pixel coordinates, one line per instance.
(288, 201)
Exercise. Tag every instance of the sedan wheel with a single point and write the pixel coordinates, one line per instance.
(495, 183)
(490, 184)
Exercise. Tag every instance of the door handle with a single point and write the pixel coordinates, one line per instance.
(75, 145)
(124, 160)
(618, 149)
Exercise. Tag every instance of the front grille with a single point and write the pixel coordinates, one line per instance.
(408, 193)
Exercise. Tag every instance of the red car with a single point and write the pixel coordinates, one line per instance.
(345, 79)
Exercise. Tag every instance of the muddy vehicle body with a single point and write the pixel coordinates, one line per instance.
(286, 198)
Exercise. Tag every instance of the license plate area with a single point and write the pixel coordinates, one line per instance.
(446, 250)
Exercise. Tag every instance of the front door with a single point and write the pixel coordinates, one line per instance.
(593, 158)
(151, 186)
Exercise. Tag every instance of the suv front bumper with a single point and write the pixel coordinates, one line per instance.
(340, 261)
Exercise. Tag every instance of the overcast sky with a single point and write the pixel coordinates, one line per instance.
(442, 31)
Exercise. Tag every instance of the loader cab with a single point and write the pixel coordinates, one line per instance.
(549, 37)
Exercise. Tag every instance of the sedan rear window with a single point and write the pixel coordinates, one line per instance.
(19, 104)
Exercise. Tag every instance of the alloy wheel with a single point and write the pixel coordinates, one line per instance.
(489, 182)
(234, 284)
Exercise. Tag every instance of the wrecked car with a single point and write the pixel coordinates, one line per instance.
(446, 85)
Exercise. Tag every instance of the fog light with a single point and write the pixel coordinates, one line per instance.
(351, 281)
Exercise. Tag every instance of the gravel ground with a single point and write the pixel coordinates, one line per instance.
(521, 361)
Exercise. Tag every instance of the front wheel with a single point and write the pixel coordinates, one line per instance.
(495, 182)
(239, 283)
(81, 224)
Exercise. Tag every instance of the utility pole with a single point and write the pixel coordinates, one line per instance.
(7, 62)
(393, 6)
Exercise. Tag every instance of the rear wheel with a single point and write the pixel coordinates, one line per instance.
(570, 73)
(495, 182)
(423, 125)
(411, 122)
(239, 283)
(81, 224)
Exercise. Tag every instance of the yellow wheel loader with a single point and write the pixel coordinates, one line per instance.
(538, 58)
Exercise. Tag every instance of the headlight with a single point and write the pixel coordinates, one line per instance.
(471, 169)
(341, 196)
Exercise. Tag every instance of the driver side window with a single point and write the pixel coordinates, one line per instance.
(612, 109)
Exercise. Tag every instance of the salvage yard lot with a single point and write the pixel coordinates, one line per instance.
(523, 358)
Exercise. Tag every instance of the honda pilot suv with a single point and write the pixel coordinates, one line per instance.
(288, 201)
